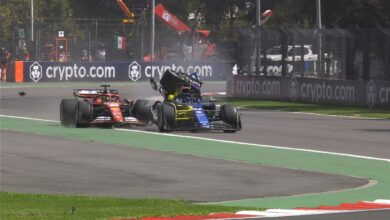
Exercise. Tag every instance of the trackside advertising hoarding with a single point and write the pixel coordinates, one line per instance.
(309, 90)
(117, 71)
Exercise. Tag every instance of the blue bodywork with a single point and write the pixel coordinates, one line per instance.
(200, 115)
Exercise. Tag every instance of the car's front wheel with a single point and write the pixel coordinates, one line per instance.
(166, 119)
(142, 111)
(67, 112)
(230, 116)
(83, 114)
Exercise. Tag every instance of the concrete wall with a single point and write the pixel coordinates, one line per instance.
(310, 90)
(111, 71)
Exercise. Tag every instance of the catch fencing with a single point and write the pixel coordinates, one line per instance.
(85, 38)
(352, 54)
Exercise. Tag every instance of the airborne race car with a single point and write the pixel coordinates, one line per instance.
(101, 107)
(184, 108)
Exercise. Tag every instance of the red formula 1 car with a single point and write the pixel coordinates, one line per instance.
(102, 107)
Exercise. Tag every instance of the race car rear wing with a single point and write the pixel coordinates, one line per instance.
(93, 92)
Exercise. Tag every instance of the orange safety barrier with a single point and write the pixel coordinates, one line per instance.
(19, 73)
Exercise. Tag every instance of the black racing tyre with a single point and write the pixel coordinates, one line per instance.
(67, 112)
(230, 116)
(142, 111)
(83, 114)
(166, 119)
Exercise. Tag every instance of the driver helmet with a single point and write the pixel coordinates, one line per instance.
(185, 94)
(105, 98)
(185, 89)
(102, 99)
(98, 100)
(171, 97)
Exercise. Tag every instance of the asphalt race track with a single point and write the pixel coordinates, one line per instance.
(335, 134)
(46, 164)
(39, 164)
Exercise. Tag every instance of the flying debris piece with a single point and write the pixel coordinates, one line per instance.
(21, 93)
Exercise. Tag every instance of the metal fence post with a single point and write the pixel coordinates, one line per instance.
(385, 51)
(258, 37)
(319, 29)
(284, 49)
(366, 53)
(152, 31)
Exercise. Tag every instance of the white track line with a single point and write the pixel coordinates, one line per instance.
(226, 141)
(259, 145)
(300, 212)
(310, 113)
(336, 116)
(27, 118)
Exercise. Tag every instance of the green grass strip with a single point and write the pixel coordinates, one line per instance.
(379, 113)
(335, 164)
(27, 206)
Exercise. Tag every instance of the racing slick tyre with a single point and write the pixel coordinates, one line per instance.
(83, 114)
(67, 112)
(166, 117)
(230, 116)
(142, 111)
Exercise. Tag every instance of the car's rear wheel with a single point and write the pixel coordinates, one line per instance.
(67, 112)
(166, 119)
(142, 111)
(83, 114)
(230, 116)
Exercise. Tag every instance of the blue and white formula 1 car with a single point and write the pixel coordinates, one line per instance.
(184, 107)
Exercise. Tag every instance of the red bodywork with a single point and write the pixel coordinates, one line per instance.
(111, 101)
(103, 100)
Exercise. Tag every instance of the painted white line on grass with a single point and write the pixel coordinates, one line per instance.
(258, 145)
(27, 118)
(338, 116)
(309, 113)
(225, 141)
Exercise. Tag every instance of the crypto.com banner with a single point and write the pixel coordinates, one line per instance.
(117, 71)
(309, 90)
